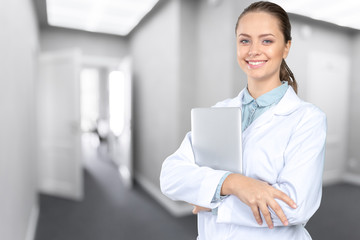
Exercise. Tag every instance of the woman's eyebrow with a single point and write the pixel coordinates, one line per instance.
(243, 35)
(262, 35)
(267, 34)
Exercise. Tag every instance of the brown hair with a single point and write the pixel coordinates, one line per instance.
(285, 27)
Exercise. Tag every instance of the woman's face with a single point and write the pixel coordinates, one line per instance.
(260, 46)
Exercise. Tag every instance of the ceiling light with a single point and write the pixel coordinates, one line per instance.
(106, 16)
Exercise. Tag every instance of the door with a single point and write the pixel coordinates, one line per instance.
(120, 111)
(58, 103)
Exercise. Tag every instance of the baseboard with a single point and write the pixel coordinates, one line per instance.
(177, 209)
(352, 178)
(33, 220)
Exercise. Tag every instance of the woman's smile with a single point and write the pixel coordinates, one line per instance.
(254, 64)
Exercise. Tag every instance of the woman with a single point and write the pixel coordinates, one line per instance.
(283, 146)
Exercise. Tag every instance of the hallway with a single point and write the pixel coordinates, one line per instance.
(182, 55)
(109, 210)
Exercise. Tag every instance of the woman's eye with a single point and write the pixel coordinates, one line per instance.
(244, 41)
(267, 42)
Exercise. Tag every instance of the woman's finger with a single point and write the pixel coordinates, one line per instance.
(198, 209)
(285, 198)
(257, 215)
(267, 216)
(279, 212)
(195, 210)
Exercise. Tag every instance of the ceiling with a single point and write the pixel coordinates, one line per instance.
(344, 13)
(118, 17)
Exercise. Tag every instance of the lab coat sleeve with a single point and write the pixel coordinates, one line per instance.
(181, 179)
(300, 178)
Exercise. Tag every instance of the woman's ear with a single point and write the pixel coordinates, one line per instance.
(287, 49)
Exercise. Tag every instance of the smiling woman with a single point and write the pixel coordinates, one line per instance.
(261, 49)
(283, 143)
(263, 41)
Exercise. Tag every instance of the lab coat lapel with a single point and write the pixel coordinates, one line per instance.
(289, 103)
(237, 102)
(262, 120)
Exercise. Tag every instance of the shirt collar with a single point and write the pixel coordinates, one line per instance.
(288, 104)
(247, 98)
(268, 98)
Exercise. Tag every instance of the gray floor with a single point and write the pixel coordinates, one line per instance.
(109, 211)
(338, 217)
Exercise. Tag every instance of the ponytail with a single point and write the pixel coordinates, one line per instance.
(287, 75)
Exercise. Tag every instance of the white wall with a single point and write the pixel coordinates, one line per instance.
(354, 113)
(93, 44)
(155, 52)
(313, 36)
(214, 39)
(18, 47)
(218, 74)
(188, 59)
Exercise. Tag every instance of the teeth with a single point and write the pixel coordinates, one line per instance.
(256, 63)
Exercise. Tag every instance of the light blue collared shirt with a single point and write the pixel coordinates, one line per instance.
(251, 110)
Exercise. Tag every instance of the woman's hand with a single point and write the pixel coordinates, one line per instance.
(198, 209)
(258, 195)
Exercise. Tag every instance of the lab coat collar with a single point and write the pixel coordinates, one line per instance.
(288, 104)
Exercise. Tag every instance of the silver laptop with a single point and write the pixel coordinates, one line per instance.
(216, 138)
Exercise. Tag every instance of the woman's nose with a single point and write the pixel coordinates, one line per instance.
(254, 50)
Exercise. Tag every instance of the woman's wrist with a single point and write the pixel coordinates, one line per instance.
(228, 184)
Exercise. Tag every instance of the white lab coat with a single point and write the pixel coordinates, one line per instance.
(284, 147)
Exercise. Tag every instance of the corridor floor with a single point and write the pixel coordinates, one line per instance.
(109, 211)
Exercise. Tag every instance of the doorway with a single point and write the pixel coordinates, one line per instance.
(107, 111)
(73, 101)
